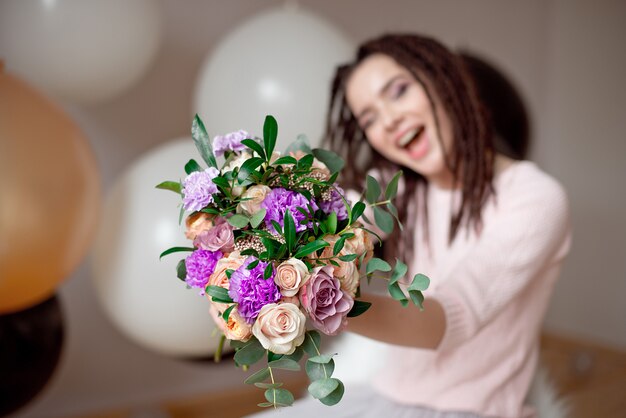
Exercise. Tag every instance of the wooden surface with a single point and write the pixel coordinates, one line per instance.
(590, 377)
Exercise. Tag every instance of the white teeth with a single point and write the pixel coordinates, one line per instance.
(408, 137)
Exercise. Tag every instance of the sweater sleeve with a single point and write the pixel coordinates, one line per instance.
(529, 230)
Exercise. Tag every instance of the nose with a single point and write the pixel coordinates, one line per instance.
(390, 118)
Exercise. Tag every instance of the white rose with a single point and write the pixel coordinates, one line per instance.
(236, 162)
(255, 196)
(290, 276)
(280, 327)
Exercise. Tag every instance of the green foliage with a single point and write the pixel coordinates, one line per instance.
(383, 220)
(173, 186)
(392, 187)
(181, 270)
(238, 220)
(310, 248)
(377, 264)
(250, 353)
(270, 132)
(330, 159)
(218, 294)
(203, 144)
(176, 250)
(192, 166)
(373, 189)
(359, 308)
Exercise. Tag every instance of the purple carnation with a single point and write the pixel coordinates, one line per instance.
(229, 142)
(280, 200)
(200, 265)
(198, 189)
(251, 291)
(335, 204)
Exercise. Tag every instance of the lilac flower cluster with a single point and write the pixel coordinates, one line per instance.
(230, 142)
(335, 204)
(280, 200)
(200, 265)
(198, 189)
(251, 291)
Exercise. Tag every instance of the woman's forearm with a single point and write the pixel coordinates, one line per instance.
(388, 321)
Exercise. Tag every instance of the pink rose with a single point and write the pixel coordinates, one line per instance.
(218, 238)
(290, 276)
(325, 302)
(280, 327)
(197, 223)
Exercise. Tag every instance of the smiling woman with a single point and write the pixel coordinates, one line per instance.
(490, 232)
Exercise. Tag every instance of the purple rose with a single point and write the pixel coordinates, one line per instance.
(229, 142)
(325, 302)
(198, 189)
(200, 265)
(220, 237)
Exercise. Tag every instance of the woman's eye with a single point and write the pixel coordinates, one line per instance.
(399, 90)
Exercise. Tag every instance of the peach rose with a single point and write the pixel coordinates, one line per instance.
(219, 278)
(236, 328)
(290, 276)
(347, 272)
(280, 327)
(197, 223)
(255, 195)
(362, 243)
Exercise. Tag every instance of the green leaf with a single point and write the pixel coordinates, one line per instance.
(377, 264)
(358, 308)
(219, 293)
(271, 356)
(373, 190)
(277, 227)
(330, 159)
(259, 376)
(192, 166)
(339, 245)
(252, 265)
(357, 211)
(175, 250)
(265, 404)
(392, 187)
(348, 257)
(335, 396)
(249, 166)
(270, 132)
(238, 220)
(285, 160)
(285, 364)
(268, 385)
(227, 312)
(181, 214)
(311, 343)
(269, 270)
(396, 292)
(323, 387)
(321, 358)
(290, 231)
(296, 355)
(300, 144)
(221, 181)
(305, 162)
(417, 298)
(317, 371)
(173, 186)
(250, 353)
(181, 270)
(203, 144)
(420, 282)
(399, 270)
(331, 223)
(310, 248)
(254, 146)
(383, 220)
(280, 397)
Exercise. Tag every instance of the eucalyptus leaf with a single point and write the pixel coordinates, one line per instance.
(330, 159)
(173, 186)
(377, 264)
(323, 387)
(399, 270)
(192, 166)
(396, 292)
(259, 376)
(373, 190)
(176, 250)
(392, 187)
(321, 358)
(357, 211)
(284, 364)
(311, 343)
(317, 371)
(420, 282)
(296, 355)
(335, 396)
(383, 220)
(203, 144)
(265, 404)
(280, 397)
(238, 220)
(250, 353)
(417, 298)
(268, 385)
(300, 144)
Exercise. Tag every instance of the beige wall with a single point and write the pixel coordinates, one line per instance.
(566, 56)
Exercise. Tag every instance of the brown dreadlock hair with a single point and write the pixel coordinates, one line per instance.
(443, 75)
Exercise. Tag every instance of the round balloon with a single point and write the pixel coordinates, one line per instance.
(49, 195)
(279, 63)
(140, 293)
(32, 340)
(84, 51)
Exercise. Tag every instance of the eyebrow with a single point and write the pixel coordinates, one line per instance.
(382, 91)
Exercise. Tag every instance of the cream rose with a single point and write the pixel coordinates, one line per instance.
(290, 276)
(197, 223)
(347, 272)
(236, 162)
(280, 327)
(255, 195)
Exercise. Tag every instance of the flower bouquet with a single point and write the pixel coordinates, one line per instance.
(277, 247)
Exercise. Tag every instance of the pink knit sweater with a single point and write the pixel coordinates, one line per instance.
(495, 290)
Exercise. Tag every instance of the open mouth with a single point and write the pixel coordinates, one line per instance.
(411, 137)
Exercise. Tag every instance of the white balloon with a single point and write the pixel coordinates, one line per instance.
(83, 51)
(142, 295)
(279, 63)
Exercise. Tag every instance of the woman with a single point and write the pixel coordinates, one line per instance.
(490, 232)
